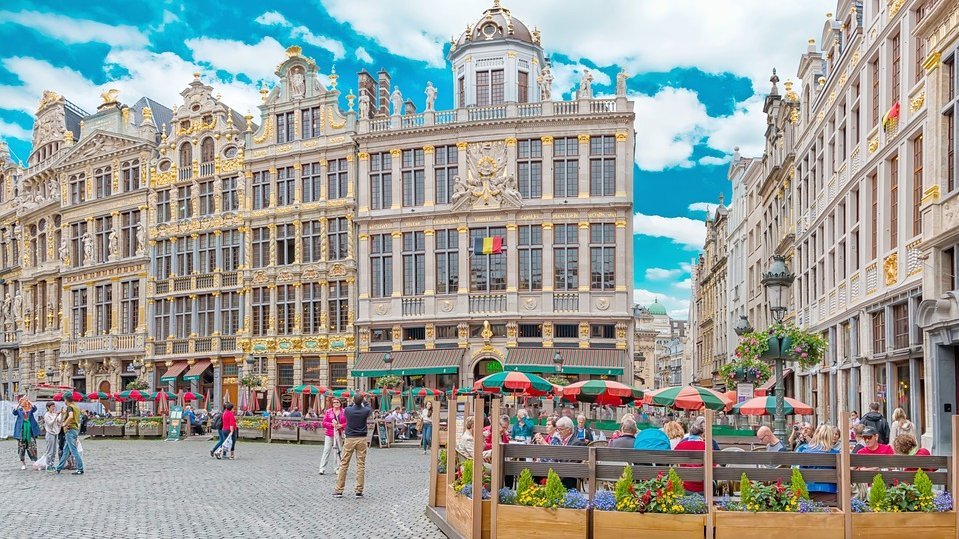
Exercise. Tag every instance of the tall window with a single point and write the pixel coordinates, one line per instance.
(182, 317)
(184, 202)
(284, 127)
(261, 310)
(130, 175)
(338, 235)
(414, 178)
(230, 250)
(104, 308)
(949, 68)
(78, 191)
(337, 176)
(381, 265)
(186, 161)
(566, 257)
(529, 168)
(312, 307)
(261, 247)
(874, 215)
(446, 168)
(163, 206)
(312, 241)
(261, 189)
(207, 151)
(339, 306)
(874, 78)
(900, 326)
(285, 309)
(414, 263)
(80, 312)
(489, 87)
(487, 272)
(916, 185)
(894, 202)
(530, 251)
(566, 167)
(602, 166)
(461, 91)
(285, 186)
(381, 180)
(103, 180)
(206, 253)
(129, 306)
(129, 224)
(312, 182)
(896, 43)
(285, 244)
(447, 261)
(205, 315)
(102, 226)
(164, 259)
(41, 245)
(161, 319)
(878, 332)
(602, 252)
(206, 198)
(312, 122)
(184, 256)
(522, 87)
(229, 313)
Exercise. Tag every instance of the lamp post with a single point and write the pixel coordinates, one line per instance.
(743, 326)
(777, 282)
(558, 361)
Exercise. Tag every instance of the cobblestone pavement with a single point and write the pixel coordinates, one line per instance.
(148, 489)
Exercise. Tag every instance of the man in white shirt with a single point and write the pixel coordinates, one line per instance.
(52, 426)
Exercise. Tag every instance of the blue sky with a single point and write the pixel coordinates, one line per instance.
(698, 74)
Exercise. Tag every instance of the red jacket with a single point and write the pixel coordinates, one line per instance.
(330, 418)
(691, 445)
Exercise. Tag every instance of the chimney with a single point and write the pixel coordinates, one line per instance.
(384, 102)
(366, 83)
(409, 108)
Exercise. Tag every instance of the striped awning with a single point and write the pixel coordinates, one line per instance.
(173, 372)
(196, 371)
(608, 361)
(444, 361)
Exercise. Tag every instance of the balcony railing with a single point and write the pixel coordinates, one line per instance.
(412, 306)
(487, 303)
(565, 303)
(207, 169)
(486, 113)
(185, 173)
(100, 344)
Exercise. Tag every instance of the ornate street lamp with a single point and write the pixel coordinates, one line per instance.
(743, 326)
(388, 359)
(777, 282)
(558, 361)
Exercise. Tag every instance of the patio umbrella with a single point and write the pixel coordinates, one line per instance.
(307, 389)
(423, 392)
(254, 401)
(275, 405)
(689, 398)
(163, 401)
(380, 392)
(346, 393)
(191, 396)
(461, 392)
(135, 394)
(161, 394)
(767, 406)
(601, 392)
(77, 396)
(206, 401)
(514, 382)
(99, 396)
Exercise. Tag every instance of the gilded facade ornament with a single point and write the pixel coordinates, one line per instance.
(917, 102)
(487, 183)
(890, 269)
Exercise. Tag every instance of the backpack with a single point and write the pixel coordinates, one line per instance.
(218, 422)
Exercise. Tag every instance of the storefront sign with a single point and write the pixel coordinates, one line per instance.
(176, 414)
(744, 392)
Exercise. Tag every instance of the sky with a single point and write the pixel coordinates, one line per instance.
(699, 72)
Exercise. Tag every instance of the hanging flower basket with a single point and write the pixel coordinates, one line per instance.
(798, 345)
(746, 370)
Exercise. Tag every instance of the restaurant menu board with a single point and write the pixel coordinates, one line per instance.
(176, 415)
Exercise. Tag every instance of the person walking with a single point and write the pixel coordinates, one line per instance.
(426, 417)
(71, 424)
(356, 431)
(52, 426)
(901, 425)
(26, 430)
(877, 422)
(227, 421)
(334, 421)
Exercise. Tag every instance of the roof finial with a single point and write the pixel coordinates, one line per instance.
(774, 79)
(722, 198)
(496, 4)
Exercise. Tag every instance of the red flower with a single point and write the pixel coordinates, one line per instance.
(542, 481)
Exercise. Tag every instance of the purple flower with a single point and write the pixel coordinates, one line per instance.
(798, 349)
(942, 502)
(804, 355)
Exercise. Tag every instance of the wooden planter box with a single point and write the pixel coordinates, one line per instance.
(743, 525)
(279, 432)
(539, 522)
(459, 514)
(898, 525)
(150, 429)
(94, 430)
(113, 430)
(252, 434)
(318, 435)
(130, 429)
(440, 490)
(620, 524)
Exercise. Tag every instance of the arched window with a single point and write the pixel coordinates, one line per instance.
(206, 150)
(186, 155)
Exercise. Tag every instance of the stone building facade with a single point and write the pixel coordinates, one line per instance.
(711, 300)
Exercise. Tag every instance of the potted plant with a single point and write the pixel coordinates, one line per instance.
(139, 384)
(252, 427)
(311, 430)
(284, 428)
(130, 429)
(545, 510)
(150, 426)
(745, 370)
(788, 505)
(106, 426)
(459, 501)
(891, 510)
(800, 346)
(658, 506)
(389, 381)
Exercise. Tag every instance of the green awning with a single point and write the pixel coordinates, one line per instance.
(173, 372)
(408, 362)
(608, 361)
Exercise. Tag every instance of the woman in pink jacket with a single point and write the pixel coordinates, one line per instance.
(334, 421)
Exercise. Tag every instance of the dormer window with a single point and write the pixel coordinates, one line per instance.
(489, 30)
(489, 87)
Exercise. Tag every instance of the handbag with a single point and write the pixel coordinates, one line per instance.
(227, 443)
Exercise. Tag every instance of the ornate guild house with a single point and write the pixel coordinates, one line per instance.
(330, 241)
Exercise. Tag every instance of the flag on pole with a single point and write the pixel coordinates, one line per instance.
(488, 246)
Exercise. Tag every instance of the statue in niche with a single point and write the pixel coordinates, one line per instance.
(141, 237)
(88, 248)
(114, 240)
(430, 96)
(297, 82)
(7, 310)
(64, 250)
(18, 305)
(545, 80)
(397, 99)
(621, 82)
(364, 104)
(585, 86)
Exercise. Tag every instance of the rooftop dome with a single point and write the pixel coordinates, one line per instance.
(656, 308)
(497, 23)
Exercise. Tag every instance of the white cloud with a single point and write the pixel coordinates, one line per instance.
(707, 207)
(713, 160)
(35, 77)
(566, 77)
(13, 131)
(363, 56)
(690, 233)
(661, 274)
(323, 42)
(668, 126)
(673, 304)
(257, 61)
(743, 129)
(71, 30)
(686, 267)
(685, 284)
(273, 18)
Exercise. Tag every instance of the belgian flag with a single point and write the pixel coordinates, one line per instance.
(488, 246)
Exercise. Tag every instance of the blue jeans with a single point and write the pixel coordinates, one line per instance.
(223, 435)
(427, 440)
(70, 448)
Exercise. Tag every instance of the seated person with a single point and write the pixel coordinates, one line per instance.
(652, 438)
(627, 437)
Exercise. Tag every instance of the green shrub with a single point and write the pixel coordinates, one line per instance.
(877, 493)
(745, 490)
(524, 483)
(555, 492)
(798, 485)
(624, 484)
(923, 484)
(677, 483)
(467, 477)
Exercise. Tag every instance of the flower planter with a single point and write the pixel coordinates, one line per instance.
(440, 490)
(148, 429)
(252, 434)
(898, 525)
(539, 522)
(459, 514)
(94, 430)
(113, 430)
(774, 352)
(763, 525)
(314, 435)
(280, 432)
(621, 524)
(130, 429)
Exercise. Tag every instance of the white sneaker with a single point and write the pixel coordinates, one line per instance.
(23, 466)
